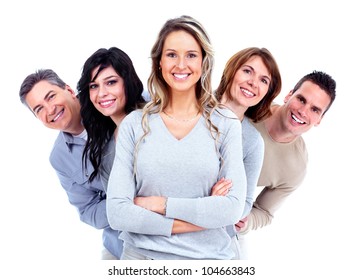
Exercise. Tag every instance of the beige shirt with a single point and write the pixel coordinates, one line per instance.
(284, 169)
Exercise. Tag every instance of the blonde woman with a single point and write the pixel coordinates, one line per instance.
(172, 153)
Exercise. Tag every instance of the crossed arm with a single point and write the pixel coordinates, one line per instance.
(158, 204)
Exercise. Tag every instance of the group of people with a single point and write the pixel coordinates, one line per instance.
(170, 172)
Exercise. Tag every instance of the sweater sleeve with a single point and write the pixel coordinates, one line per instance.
(122, 213)
(218, 211)
(253, 154)
(268, 202)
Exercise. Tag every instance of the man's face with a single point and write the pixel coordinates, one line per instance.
(305, 107)
(55, 107)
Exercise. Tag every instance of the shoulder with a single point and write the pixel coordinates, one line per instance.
(223, 112)
(250, 130)
(228, 125)
(248, 127)
(132, 120)
(59, 146)
(224, 117)
(251, 136)
(300, 145)
(135, 115)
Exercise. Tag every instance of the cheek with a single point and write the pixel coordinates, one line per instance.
(316, 121)
(263, 90)
(198, 66)
(43, 119)
(121, 99)
(93, 98)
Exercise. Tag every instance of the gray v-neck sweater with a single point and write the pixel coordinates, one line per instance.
(184, 171)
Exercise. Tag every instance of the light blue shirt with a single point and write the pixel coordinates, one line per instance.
(88, 198)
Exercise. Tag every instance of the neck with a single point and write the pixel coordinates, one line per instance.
(182, 105)
(238, 110)
(75, 127)
(76, 130)
(117, 119)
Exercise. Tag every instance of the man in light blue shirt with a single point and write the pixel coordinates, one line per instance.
(56, 105)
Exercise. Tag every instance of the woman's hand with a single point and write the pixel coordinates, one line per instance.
(221, 188)
(153, 203)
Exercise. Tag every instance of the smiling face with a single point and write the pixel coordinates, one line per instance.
(181, 62)
(304, 108)
(250, 85)
(107, 94)
(55, 107)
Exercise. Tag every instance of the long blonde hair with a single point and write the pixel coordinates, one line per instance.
(158, 87)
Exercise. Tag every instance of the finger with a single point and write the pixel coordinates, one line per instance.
(226, 188)
(222, 189)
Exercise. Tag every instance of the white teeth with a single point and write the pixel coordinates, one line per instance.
(180, 76)
(248, 93)
(57, 116)
(106, 103)
(297, 120)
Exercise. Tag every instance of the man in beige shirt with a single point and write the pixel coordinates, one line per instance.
(285, 156)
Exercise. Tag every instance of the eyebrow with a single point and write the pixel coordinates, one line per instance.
(317, 108)
(110, 77)
(174, 50)
(45, 98)
(105, 78)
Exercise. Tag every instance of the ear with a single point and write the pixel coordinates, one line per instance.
(318, 123)
(71, 91)
(286, 98)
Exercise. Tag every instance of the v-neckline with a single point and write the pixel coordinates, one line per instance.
(172, 136)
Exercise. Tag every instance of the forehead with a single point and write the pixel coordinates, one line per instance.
(257, 63)
(181, 39)
(314, 94)
(104, 73)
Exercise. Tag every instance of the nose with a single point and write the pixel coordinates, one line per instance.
(252, 81)
(181, 63)
(50, 109)
(302, 111)
(102, 91)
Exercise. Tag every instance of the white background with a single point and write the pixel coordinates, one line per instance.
(317, 231)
